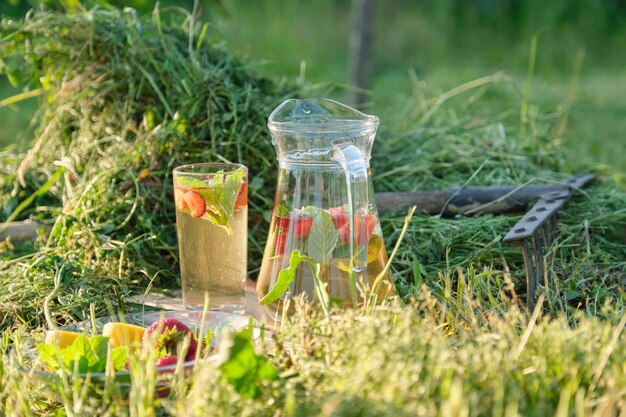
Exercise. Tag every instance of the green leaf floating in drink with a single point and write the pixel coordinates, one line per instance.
(220, 195)
(282, 211)
(285, 278)
(191, 182)
(322, 238)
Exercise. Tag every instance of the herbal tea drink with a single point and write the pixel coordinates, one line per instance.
(212, 226)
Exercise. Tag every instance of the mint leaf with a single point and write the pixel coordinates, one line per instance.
(90, 352)
(244, 369)
(374, 247)
(230, 188)
(322, 238)
(220, 197)
(285, 278)
(191, 182)
(282, 211)
(342, 264)
(99, 345)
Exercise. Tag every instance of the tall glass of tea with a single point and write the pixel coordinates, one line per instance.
(211, 222)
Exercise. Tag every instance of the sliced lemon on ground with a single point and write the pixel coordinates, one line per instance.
(123, 334)
(61, 338)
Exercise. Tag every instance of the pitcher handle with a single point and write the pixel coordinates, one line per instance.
(353, 164)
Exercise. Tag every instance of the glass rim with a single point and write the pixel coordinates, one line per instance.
(230, 168)
(338, 118)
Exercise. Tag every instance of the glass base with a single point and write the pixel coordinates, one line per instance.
(229, 304)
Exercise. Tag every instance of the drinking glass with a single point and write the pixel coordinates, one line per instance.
(211, 222)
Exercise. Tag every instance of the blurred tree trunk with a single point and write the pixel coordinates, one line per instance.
(360, 49)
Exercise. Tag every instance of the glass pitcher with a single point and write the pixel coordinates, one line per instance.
(324, 205)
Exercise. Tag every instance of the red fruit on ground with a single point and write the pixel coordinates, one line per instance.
(162, 325)
(280, 240)
(302, 226)
(169, 360)
(171, 332)
(191, 351)
(242, 197)
(166, 361)
(195, 202)
(178, 199)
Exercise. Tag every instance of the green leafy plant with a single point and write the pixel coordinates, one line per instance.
(87, 354)
(243, 368)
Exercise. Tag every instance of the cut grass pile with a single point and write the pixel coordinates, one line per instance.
(126, 99)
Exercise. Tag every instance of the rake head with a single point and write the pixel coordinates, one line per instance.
(536, 230)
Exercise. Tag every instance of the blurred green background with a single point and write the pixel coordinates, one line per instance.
(432, 45)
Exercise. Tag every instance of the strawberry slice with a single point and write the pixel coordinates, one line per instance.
(282, 222)
(280, 240)
(337, 211)
(340, 219)
(302, 226)
(195, 202)
(370, 223)
(344, 232)
(344, 229)
(178, 199)
(242, 197)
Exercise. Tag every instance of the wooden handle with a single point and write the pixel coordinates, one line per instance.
(468, 200)
(20, 231)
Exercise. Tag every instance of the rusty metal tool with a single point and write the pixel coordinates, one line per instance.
(536, 230)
